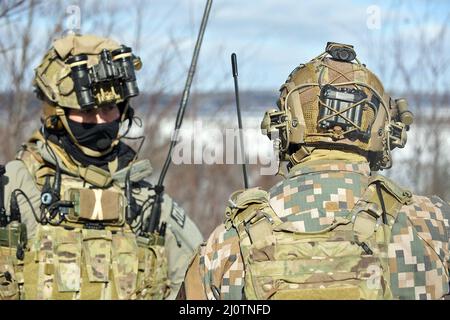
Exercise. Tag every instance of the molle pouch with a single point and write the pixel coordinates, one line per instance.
(125, 264)
(323, 277)
(319, 266)
(96, 205)
(97, 254)
(13, 234)
(67, 260)
(12, 245)
(153, 282)
(9, 287)
(39, 265)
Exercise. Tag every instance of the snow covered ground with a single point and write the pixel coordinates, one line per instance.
(213, 140)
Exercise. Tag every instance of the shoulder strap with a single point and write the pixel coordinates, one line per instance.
(389, 187)
(380, 203)
(236, 212)
(39, 168)
(250, 214)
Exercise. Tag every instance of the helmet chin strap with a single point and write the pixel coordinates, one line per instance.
(92, 153)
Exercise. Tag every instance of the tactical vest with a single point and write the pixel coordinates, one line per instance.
(345, 260)
(74, 260)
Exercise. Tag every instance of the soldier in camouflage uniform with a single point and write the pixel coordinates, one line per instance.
(76, 196)
(333, 228)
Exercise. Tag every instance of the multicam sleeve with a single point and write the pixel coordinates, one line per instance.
(182, 238)
(18, 177)
(217, 271)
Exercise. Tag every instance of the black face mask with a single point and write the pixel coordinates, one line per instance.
(98, 137)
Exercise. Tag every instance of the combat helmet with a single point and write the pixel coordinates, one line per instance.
(84, 72)
(335, 102)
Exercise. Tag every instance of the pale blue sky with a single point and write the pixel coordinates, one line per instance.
(270, 37)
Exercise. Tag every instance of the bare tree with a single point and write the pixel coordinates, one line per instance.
(18, 54)
(9, 8)
(409, 55)
(21, 48)
(425, 81)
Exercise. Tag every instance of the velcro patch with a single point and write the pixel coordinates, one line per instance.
(178, 214)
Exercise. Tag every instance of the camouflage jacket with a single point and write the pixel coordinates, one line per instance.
(314, 194)
(26, 173)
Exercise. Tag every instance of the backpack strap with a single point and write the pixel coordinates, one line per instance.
(380, 204)
(250, 214)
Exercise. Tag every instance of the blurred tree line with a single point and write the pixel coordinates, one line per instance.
(203, 189)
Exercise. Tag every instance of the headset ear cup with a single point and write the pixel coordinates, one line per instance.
(50, 118)
(53, 123)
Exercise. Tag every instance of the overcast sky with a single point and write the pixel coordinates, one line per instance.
(270, 37)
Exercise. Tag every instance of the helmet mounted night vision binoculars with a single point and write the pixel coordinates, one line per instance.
(111, 80)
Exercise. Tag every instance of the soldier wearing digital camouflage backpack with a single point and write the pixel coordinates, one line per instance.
(76, 197)
(334, 228)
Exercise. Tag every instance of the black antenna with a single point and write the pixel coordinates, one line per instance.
(238, 109)
(153, 220)
(3, 217)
